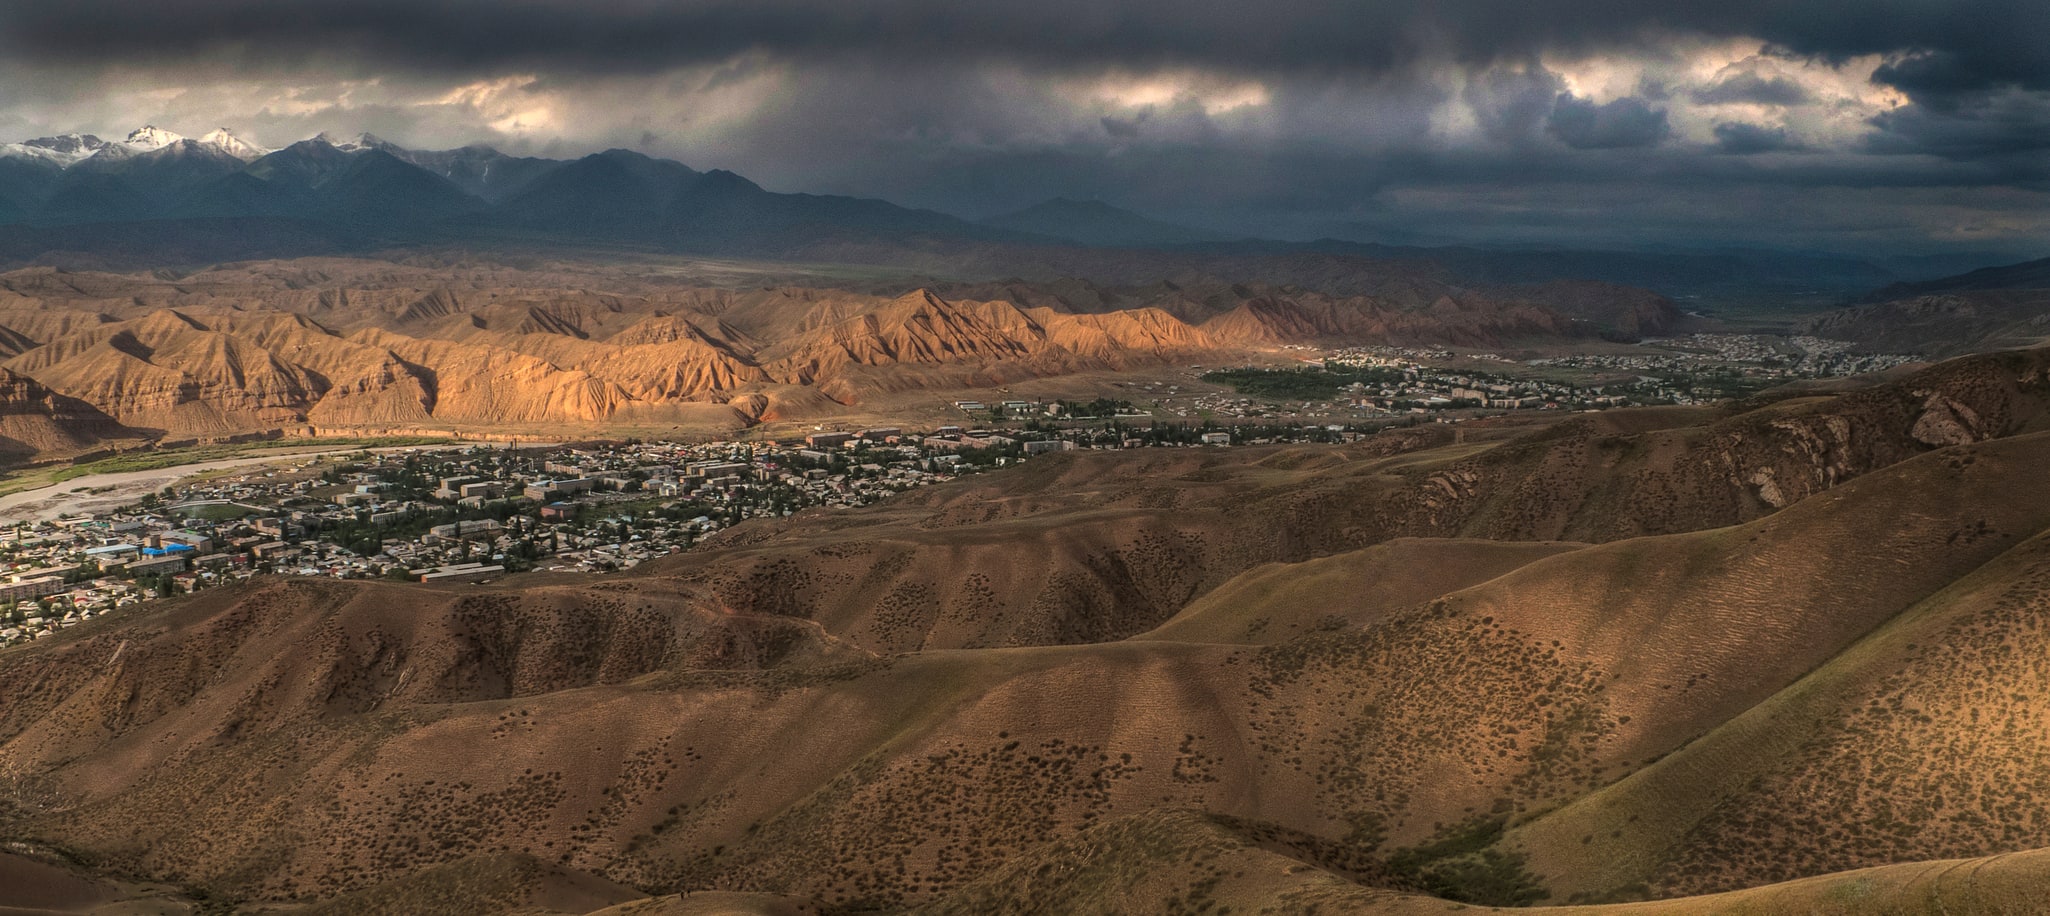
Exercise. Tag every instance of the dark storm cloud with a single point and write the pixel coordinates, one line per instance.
(1946, 54)
(1983, 42)
(1472, 109)
(1742, 139)
(1991, 126)
(1512, 104)
(1622, 124)
(1931, 77)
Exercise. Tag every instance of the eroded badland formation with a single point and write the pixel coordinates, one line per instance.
(340, 347)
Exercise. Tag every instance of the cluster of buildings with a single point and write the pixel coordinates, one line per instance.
(1383, 383)
(1715, 356)
(1376, 385)
(60, 574)
(1695, 369)
(477, 513)
(472, 514)
(1418, 388)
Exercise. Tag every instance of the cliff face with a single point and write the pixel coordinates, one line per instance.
(37, 421)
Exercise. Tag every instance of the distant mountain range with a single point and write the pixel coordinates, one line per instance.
(156, 198)
(402, 195)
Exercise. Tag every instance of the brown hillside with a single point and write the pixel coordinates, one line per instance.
(1369, 673)
(1278, 602)
(867, 816)
(1092, 547)
(1922, 737)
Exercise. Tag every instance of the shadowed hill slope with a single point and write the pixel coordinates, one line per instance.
(37, 422)
(511, 884)
(1944, 324)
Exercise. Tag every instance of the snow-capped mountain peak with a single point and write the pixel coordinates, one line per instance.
(151, 137)
(68, 144)
(359, 143)
(225, 141)
(63, 149)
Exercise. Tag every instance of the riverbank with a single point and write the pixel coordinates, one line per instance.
(50, 493)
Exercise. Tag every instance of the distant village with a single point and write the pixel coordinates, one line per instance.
(1753, 356)
(1372, 383)
(478, 513)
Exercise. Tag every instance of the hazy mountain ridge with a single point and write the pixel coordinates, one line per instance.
(159, 176)
(1992, 308)
(2026, 275)
(165, 199)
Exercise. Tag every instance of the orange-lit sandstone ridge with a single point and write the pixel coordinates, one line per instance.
(337, 346)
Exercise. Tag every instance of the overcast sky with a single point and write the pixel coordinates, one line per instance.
(1871, 126)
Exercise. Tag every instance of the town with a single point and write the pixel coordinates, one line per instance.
(1367, 383)
(480, 512)
(1757, 357)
